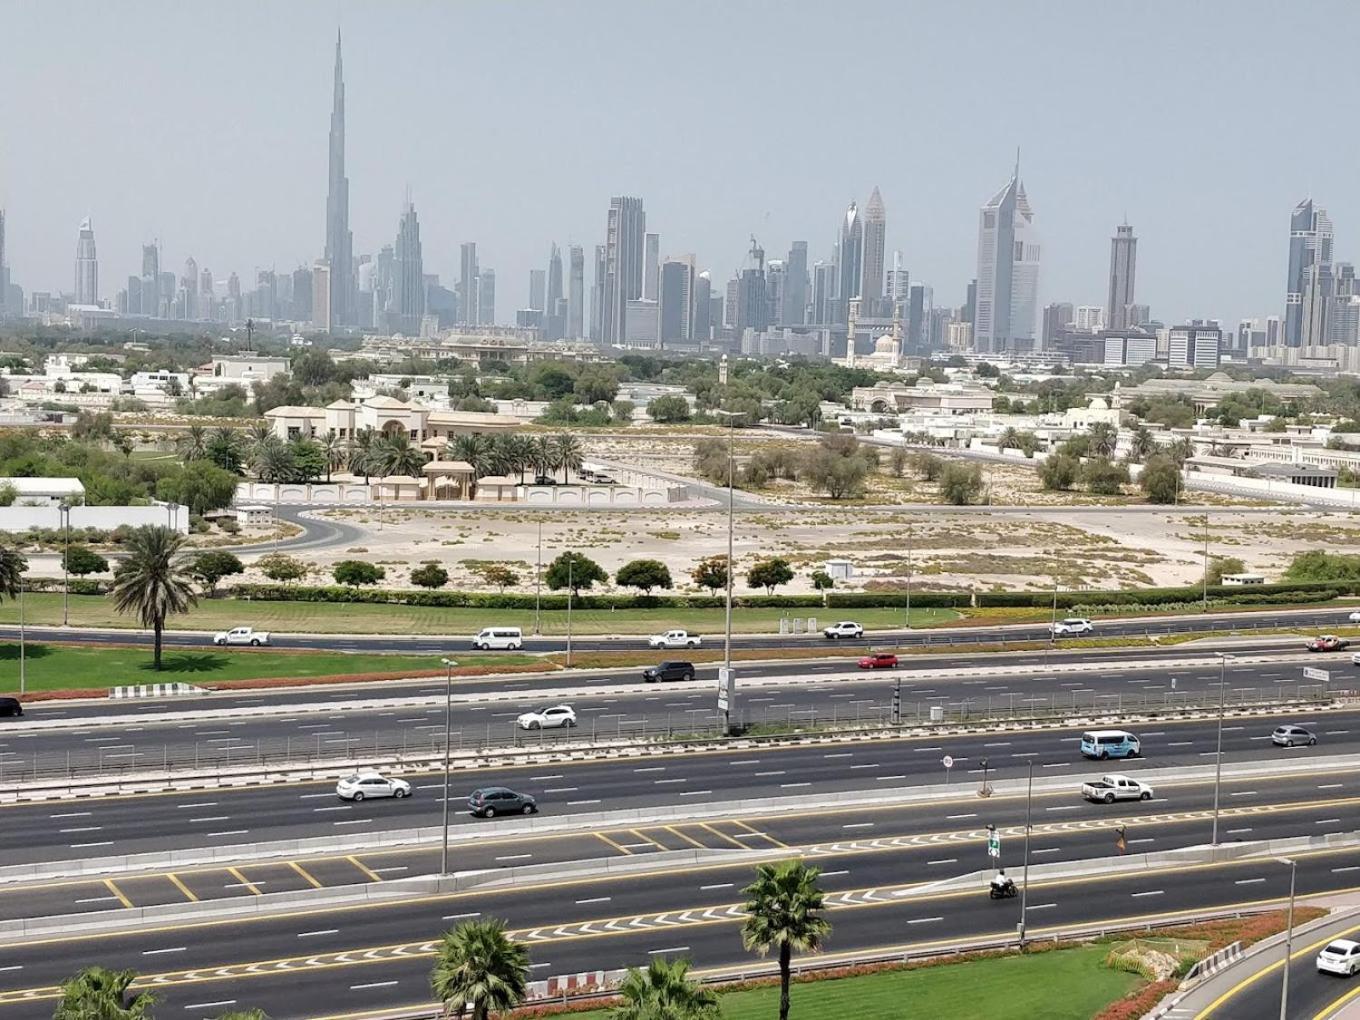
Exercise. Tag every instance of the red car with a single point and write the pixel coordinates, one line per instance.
(1327, 643)
(879, 660)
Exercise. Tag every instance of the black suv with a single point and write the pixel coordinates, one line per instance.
(497, 800)
(669, 671)
(11, 706)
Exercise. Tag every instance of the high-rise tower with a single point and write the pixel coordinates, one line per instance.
(576, 292)
(851, 259)
(875, 236)
(1123, 263)
(624, 231)
(1008, 271)
(339, 241)
(87, 266)
(1310, 276)
(468, 278)
(554, 279)
(408, 269)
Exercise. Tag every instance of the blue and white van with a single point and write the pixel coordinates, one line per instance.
(1104, 744)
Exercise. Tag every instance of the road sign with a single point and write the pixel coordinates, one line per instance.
(727, 681)
(993, 844)
(947, 761)
(1310, 673)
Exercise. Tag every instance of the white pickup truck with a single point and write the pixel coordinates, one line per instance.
(674, 639)
(1108, 789)
(242, 636)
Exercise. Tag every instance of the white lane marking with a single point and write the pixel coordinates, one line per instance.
(595, 899)
(672, 949)
(211, 1005)
(945, 860)
(1248, 881)
(925, 920)
(720, 885)
(372, 984)
(157, 952)
(72, 814)
(461, 917)
(1154, 892)
(313, 934)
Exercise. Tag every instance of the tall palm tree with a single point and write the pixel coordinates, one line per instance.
(544, 456)
(570, 454)
(335, 450)
(12, 566)
(361, 453)
(100, 994)
(1141, 444)
(154, 579)
(225, 449)
(1104, 438)
(478, 969)
(664, 991)
(521, 451)
(474, 448)
(259, 431)
(393, 454)
(272, 460)
(783, 909)
(193, 444)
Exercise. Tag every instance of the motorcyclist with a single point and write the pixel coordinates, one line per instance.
(1001, 884)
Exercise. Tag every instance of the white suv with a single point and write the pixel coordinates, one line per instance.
(363, 785)
(844, 629)
(561, 716)
(1072, 625)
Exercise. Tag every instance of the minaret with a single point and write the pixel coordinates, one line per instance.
(339, 242)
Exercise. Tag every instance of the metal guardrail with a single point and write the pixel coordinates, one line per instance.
(341, 742)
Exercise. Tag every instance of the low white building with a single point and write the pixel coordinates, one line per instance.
(45, 491)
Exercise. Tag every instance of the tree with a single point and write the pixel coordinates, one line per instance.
(309, 460)
(500, 575)
(596, 383)
(357, 572)
(1160, 480)
(1103, 438)
(394, 454)
(1103, 477)
(278, 567)
(81, 560)
(568, 453)
(1010, 437)
(1059, 472)
(244, 1014)
(1220, 565)
(928, 466)
(12, 567)
(361, 453)
(211, 565)
(431, 575)
(710, 573)
(225, 449)
(153, 580)
(837, 475)
(479, 969)
(897, 461)
(644, 574)
(783, 912)
(1318, 565)
(576, 569)
(474, 448)
(664, 991)
(200, 485)
(100, 994)
(961, 484)
(193, 444)
(769, 574)
(334, 451)
(1141, 444)
(272, 460)
(669, 409)
(821, 580)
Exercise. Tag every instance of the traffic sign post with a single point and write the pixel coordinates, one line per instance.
(993, 843)
(897, 702)
(1311, 673)
(948, 762)
(727, 679)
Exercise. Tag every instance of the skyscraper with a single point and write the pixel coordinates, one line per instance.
(851, 259)
(1309, 285)
(554, 280)
(875, 236)
(4, 266)
(87, 266)
(898, 284)
(1008, 271)
(339, 241)
(677, 299)
(795, 296)
(701, 324)
(651, 260)
(576, 292)
(626, 225)
(597, 294)
(1123, 262)
(467, 284)
(537, 289)
(151, 279)
(486, 297)
(408, 267)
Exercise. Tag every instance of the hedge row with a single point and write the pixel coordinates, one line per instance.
(1224, 594)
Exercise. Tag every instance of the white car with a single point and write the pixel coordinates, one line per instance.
(1355, 659)
(1072, 625)
(1341, 956)
(559, 716)
(242, 636)
(844, 629)
(1354, 617)
(674, 639)
(363, 785)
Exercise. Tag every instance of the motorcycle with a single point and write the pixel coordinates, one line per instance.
(1004, 891)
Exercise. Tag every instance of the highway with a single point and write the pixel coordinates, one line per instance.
(66, 829)
(123, 735)
(1312, 995)
(435, 645)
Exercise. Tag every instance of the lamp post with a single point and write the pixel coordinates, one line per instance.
(538, 583)
(22, 677)
(1205, 608)
(571, 560)
(1053, 623)
(448, 722)
(1218, 753)
(1024, 879)
(909, 571)
(65, 509)
(726, 679)
(1288, 938)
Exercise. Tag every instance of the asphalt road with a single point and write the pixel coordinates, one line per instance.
(126, 735)
(64, 830)
(1312, 619)
(339, 962)
(1311, 994)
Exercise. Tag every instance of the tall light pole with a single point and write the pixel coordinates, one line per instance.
(448, 735)
(538, 583)
(65, 509)
(909, 571)
(22, 676)
(1206, 562)
(1024, 880)
(571, 560)
(726, 679)
(1053, 623)
(1218, 754)
(1288, 938)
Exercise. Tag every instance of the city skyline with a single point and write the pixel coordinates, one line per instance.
(932, 206)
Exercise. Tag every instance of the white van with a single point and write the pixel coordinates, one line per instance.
(500, 638)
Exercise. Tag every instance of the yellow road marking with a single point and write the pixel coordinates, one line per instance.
(1331, 1007)
(244, 881)
(373, 876)
(118, 892)
(722, 835)
(1251, 979)
(617, 846)
(762, 835)
(646, 839)
(688, 839)
(303, 872)
(188, 893)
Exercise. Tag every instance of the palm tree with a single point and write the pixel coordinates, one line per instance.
(664, 991)
(1010, 437)
(272, 460)
(544, 457)
(570, 455)
(12, 566)
(782, 907)
(193, 445)
(1141, 444)
(474, 448)
(99, 994)
(479, 968)
(393, 454)
(361, 453)
(154, 580)
(1104, 438)
(335, 450)
(259, 431)
(224, 448)
(521, 453)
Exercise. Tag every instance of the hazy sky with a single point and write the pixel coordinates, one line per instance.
(514, 122)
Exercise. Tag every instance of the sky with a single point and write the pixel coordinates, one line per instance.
(512, 122)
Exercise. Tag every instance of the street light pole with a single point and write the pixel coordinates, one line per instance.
(909, 565)
(22, 677)
(1288, 938)
(448, 735)
(1206, 562)
(731, 417)
(1053, 624)
(1218, 754)
(570, 562)
(65, 509)
(538, 583)
(1024, 879)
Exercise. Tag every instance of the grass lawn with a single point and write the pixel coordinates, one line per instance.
(49, 667)
(353, 618)
(1068, 984)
